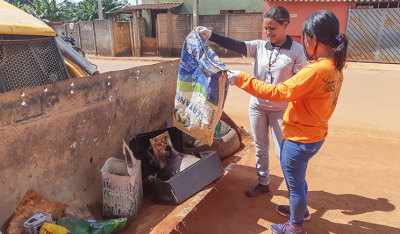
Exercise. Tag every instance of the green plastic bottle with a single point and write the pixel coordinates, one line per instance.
(109, 226)
(75, 225)
(81, 226)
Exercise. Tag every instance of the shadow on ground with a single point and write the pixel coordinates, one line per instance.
(227, 209)
(349, 205)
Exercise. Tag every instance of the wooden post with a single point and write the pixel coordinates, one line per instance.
(119, 17)
(136, 35)
(112, 42)
(100, 5)
(131, 31)
(195, 13)
(169, 30)
(226, 28)
(157, 37)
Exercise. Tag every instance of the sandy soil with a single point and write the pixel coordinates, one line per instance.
(353, 180)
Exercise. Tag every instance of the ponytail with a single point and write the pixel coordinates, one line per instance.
(340, 51)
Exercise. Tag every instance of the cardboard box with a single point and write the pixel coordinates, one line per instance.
(182, 185)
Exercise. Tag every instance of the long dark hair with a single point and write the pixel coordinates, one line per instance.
(278, 13)
(324, 25)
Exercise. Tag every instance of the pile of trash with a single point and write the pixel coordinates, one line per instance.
(57, 218)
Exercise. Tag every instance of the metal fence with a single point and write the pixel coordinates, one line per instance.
(374, 35)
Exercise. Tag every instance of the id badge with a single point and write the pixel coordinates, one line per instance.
(268, 77)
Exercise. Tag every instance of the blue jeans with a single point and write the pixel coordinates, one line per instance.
(261, 121)
(294, 160)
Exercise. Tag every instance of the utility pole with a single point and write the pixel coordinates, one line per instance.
(195, 13)
(100, 9)
(137, 2)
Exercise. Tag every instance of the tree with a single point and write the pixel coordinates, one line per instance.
(87, 10)
(45, 10)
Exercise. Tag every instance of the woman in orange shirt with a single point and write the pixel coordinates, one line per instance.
(312, 95)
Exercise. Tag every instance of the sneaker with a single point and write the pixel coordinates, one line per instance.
(287, 228)
(258, 190)
(285, 211)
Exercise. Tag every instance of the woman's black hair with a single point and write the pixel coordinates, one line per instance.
(278, 13)
(324, 25)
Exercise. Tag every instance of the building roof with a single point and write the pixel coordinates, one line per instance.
(149, 6)
(332, 0)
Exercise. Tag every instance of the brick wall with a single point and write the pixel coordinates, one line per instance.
(162, 35)
(217, 23)
(122, 37)
(241, 27)
(245, 27)
(181, 27)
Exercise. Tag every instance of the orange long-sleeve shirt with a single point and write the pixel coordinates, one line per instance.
(312, 95)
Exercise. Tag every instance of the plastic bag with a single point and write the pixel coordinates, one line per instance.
(51, 228)
(122, 186)
(77, 211)
(201, 89)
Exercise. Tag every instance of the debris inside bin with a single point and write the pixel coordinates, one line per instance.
(34, 223)
(51, 228)
(170, 161)
(78, 211)
(31, 204)
(81, 226)
(182, 175)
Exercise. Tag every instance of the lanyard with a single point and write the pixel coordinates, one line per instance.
(270, 58)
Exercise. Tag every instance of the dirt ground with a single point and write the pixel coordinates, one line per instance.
(353, 180)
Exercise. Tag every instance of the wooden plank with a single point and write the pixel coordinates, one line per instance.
(131, 30)
(157, 38)
(136, 35)
(149, 45)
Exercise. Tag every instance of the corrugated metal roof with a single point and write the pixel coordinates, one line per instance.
(332, 0)
(150, 6)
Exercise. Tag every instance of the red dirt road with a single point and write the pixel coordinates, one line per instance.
(353, 180)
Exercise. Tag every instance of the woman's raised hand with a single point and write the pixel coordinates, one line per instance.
(204, 32)
(232, 76)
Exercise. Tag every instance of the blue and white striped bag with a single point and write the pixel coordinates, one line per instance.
(201, 89)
